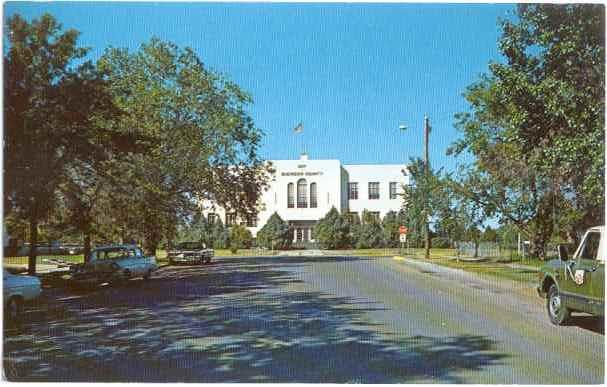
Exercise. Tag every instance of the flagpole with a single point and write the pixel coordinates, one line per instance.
(299, 130)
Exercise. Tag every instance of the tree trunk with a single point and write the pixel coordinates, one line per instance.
(538, 247)
(150, 244)
(31, 260)
(87, 246)
(476, 243)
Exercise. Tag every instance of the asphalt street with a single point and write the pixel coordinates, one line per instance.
(303, 319)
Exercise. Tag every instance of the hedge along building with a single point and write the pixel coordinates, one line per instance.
(303, 191)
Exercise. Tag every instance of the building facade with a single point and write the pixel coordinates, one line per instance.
(303, 191)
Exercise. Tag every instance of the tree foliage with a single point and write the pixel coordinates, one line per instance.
(274, 234)
(240, 238)
(370, 234)
(52, 114)
(202, 143)
(536, 123)
(220, 235)
(423, 199)
(332, 231)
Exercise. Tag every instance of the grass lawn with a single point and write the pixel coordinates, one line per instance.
(41, 259)
(434, 253)
(524, 274)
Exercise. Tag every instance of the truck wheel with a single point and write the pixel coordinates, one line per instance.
(558, 313)
(13, 309)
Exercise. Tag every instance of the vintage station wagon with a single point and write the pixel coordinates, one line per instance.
(114, 264)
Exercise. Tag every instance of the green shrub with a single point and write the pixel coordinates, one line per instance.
(274, 234)
(240, 238)
(220, 236)
(332, 231)
(370, 233)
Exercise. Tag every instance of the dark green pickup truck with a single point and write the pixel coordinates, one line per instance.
(577, 283)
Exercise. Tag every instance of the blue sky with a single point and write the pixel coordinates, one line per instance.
(350, 72)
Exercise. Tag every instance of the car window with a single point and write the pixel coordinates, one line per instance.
(189, 246)
(591, 246)
(115, 254)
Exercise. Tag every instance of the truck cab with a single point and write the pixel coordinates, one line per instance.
(576, 283)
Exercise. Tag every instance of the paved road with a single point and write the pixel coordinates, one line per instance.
(303, 319)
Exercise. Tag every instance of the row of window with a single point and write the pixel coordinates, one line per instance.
(231, 220)
(302, 195)
(373, 190)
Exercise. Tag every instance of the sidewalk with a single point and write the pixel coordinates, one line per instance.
(509, 277)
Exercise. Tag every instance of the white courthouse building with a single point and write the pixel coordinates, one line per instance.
(303, 191)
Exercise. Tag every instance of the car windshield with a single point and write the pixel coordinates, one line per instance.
(189, 245)
(591, 246)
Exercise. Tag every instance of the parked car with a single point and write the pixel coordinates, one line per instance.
(42, 249)
(72, 249)
(18, 290)
(190, 252)
(576, 283)
(113, 264)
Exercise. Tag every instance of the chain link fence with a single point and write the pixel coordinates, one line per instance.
(499, 251)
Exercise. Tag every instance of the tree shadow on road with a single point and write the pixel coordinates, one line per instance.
(230, 323)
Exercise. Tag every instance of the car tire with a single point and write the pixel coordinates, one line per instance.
(13, 309)
(147, 275)
(558, 313)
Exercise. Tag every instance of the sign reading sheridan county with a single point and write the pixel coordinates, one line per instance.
(301, 173)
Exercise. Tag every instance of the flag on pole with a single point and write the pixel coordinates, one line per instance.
(298, 129)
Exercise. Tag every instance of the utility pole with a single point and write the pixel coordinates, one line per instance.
(427, 176)
(426, 209)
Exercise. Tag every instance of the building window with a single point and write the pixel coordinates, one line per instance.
(353, 217)
(231, 219)
(313, 200)
(211, 218)
(352, 191)
(375, 215)
(393, 190)
(290, 196)
(252, 221)
(299, 235)
(373, 190)
(302, 195)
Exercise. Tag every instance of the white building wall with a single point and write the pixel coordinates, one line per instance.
(331, 180)
(325, 173)
(383, 174)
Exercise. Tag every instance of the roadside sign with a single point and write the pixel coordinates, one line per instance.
(402, 230)
(403, 238)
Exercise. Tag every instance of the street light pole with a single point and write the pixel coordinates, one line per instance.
(427, 198)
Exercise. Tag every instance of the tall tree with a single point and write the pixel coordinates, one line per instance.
(204, 143)
(424, 198)
(536, 122)
(50, 112)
